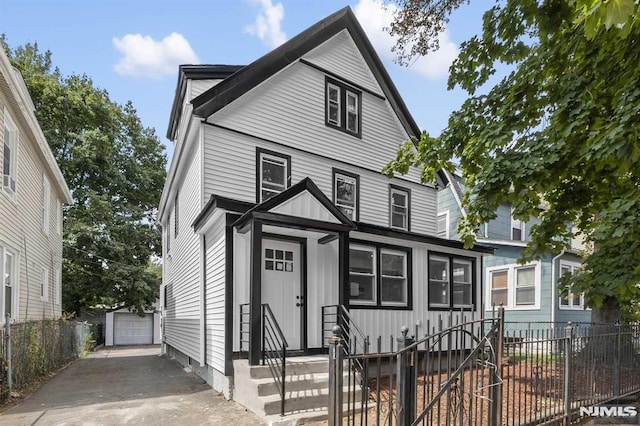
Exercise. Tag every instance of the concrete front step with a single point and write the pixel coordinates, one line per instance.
(295, 367)
(304, 400)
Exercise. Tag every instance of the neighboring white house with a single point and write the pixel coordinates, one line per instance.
(275, 195)
(32, 192)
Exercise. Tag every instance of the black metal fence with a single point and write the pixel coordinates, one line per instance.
(30, 350)
(486, 372)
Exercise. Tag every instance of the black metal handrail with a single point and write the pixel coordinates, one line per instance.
(274, 351)
(355, 340)
(274, 345)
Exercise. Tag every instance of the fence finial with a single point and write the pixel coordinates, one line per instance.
(336, 331)
(404, 330)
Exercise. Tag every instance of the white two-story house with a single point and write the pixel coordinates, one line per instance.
(32, 192)
(275, 196)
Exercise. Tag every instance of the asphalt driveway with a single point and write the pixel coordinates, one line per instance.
(126, 385)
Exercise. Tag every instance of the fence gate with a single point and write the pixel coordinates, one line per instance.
(450, 377)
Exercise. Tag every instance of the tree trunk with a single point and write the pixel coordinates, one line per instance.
(608, 313)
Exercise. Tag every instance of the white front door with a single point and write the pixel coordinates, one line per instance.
(281, 287)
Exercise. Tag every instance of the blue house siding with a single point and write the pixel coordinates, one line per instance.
(509, 255)
(448, 203)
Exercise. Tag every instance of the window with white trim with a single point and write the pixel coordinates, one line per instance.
(44, 284)
(10, 155)
(274, 174)
(442, 225)
(8, 275)
(399, 199)
(451, 281)
(517, 229)
(570, 300)
(514, 286)
(345, 193)
(46, 204)
(343, 108)
(379, 276)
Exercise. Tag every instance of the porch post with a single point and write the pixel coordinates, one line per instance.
(343, 269)
(255, 294)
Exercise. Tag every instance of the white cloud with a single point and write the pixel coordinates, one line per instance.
(145, 57)
(267, 24)
(374, 17)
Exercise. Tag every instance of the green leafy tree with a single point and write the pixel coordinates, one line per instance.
(115, 169)
(561, 129)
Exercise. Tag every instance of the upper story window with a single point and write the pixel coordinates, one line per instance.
(343, 107)
(8, 281)
(571, 300)
(345, 193)
(379, 276)
(46, 204)
(273, 174)
(442, 225)
(517, 229)
(514, 286)
(451, 281)
(399, 202)
(10, 155)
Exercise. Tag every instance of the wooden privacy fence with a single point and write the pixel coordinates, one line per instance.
(484, 372)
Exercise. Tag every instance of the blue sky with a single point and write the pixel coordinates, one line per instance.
(132, 48)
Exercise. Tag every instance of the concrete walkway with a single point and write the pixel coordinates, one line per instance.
(126, 385)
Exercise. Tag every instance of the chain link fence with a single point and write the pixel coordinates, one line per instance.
(31, 350)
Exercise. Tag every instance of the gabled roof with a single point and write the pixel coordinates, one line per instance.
(305, 184)
(194, 72)
(243, 80)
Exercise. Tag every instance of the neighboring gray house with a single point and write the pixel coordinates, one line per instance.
(275, 196)
(32, 192)
(528, 292)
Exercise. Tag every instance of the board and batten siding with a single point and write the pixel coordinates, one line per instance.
(230, 171)
(322, 286)
(21, 230)
(388, 322)
(215, 266)
(182, 321)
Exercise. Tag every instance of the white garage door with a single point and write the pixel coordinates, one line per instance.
(130, 329)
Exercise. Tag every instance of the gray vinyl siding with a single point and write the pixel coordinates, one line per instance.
(198, 87)
(182, 322)
(289, 109)
(215, 294)
(230, 171)
(21, 225)
(351, 65)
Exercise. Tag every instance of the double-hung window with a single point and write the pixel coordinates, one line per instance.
(399, 202)
(343, 107)
(514, 286)
(10, 154)
(570, 300)
(8, 280)
(517, 229)
(451, 281)
(442, 226)
(345, 193)
(379, 276)
(273, 174)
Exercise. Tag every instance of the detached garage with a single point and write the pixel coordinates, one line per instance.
(127, 328)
